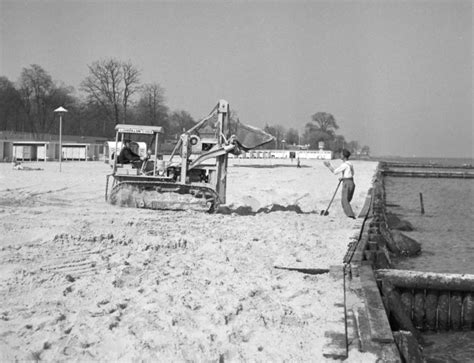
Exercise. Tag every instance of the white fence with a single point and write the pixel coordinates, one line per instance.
(285, 154)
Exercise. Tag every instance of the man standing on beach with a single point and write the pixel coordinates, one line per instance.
(347, 176)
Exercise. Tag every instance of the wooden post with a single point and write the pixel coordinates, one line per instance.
(431, 304)
(421, 204)
(406, 298)
(222, 116)
(419, 309)
(408, 346)
(184, 158)
(455, 310)
(468, 311)
(397, 311)
(443, 311)
(157, 135)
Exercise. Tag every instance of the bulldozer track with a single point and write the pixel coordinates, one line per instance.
(163, 195)
(63, 258)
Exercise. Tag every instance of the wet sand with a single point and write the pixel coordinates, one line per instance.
(84, 280)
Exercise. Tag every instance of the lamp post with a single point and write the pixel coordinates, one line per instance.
(60, 110)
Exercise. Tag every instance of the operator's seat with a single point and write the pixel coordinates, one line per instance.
(121, 160)
(135, 149)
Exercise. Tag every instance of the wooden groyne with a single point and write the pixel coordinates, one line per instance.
(360, 322)
(369, 319)
(429, 174)
(438, 171)
(399, 304)
(393, 164)
(434, 301)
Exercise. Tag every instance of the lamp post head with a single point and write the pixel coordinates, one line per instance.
(60, 110)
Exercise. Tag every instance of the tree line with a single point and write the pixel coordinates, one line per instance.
(112, 93)
(321, 128)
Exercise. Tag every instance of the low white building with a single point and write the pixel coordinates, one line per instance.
(81, 151)
(24, 146)
(34, 150)
(285, 154)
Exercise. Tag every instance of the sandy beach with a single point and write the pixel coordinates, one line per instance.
(82, 280)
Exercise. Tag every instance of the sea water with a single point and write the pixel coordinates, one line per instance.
(445, 231)
(446, 228)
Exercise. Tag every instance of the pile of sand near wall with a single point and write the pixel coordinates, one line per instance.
(84, 280)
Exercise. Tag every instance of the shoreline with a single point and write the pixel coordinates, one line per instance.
(417, 302)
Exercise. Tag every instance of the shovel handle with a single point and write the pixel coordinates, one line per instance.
(337, 188)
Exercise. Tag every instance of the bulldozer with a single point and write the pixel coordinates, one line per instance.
(194, 177)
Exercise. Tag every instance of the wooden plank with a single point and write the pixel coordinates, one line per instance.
(427, 280)
(335, 345)
(408, 346)
(385, 352)
(428, 174)
(366, 207)
(420, 165)
(351, 329)
(351, 248)
(310, 271)
(363, 329)
(369, 256)
(397, 309)
(389, 353)
(378, 321)
(358, 255)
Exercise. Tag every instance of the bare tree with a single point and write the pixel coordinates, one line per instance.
(11, 116)
(36, 88)
(278, 132)
(151, 107)
(292, 137)
(131, 83)
(180, 121)
(110, 84)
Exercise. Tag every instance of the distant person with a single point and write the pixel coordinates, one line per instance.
(298, 163)
(128, 156)
(346, 169)
(18, 166)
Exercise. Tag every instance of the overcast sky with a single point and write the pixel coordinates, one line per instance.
(396, 75)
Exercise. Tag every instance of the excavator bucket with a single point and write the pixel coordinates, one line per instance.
(248, 137)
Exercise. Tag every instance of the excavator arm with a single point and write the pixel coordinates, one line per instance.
(215, 151)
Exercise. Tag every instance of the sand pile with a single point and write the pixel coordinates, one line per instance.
(84, 280)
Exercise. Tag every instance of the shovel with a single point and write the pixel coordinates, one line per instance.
(326, 212)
